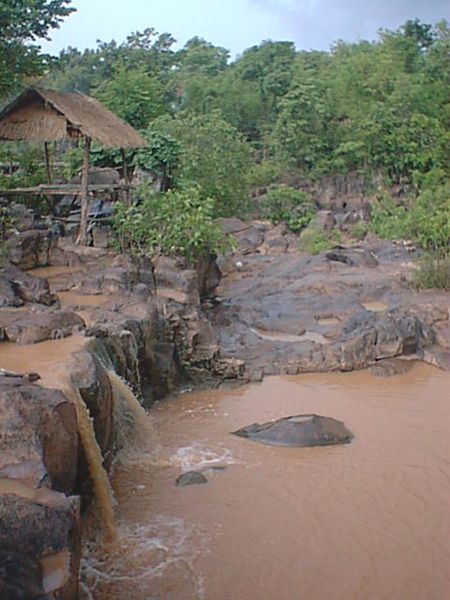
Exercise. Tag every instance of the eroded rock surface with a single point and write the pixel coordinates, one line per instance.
(296, 313)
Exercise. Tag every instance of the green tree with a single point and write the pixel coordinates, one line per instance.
(214, 157)
(133, 95)
(22, 22)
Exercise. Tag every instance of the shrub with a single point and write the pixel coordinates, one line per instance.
(425, 220)
(172, 223)
(315, 241)
(263, 174)
(434, 272)
(359, 230)
(286, 204)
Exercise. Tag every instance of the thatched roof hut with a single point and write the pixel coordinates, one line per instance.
(40, 115)
(45, 116)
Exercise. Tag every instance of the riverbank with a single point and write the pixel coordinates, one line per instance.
(165, 327)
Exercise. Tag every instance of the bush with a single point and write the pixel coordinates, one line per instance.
(315, 241)
(286, 204)
(425, 220)
(173, 223)
(263, 174)
(434, 272)
(359, 230)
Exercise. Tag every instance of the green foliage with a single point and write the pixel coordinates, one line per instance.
(73, 161)
(29, 158)
(173, 223)
(433, 272)
(315, 241)
(286, 204)
(214, 157)
(359, 230)
(263, 174)
(162, 153)
(21, 23)
(426, 220)
(133, 95)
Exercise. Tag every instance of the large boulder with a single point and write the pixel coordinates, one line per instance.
(46, 450)
(17, 288)
(32, 248)
(299, 430)
(37, 326)
(27, 287)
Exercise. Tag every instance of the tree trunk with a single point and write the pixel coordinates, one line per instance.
(82, 235)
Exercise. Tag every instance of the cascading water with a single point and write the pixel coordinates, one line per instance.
(93, 453)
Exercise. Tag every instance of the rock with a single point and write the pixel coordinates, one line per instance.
(26, 287)
(299, 430)
(30, 249)
(23, 217)
(232, 225)
(354, 257)
(324, 220)
(175, 274)
(32, 535)
(191, 478)
(20, 574)
(250, 238)
(122, 276)
(47, 447)
(391, 366)
(33, 327)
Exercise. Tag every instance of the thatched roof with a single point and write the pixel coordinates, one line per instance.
(45, 116)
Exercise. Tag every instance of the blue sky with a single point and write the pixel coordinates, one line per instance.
(238, 24)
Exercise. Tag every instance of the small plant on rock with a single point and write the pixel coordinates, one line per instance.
(288, 205)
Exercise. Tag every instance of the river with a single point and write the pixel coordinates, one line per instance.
(365, 521)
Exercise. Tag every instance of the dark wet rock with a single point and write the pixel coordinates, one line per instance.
(18, 288)
(20, 574)
(191, 478)
(391, 367)
(299, 430)
(30, 249)
(31, 532)
(37, 326)
(354, 257)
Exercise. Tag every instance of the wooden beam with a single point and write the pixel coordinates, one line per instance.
(82, 235)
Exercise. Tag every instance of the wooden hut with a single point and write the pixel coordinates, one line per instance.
(41, 115)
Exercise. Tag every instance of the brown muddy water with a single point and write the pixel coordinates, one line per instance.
(369, 520)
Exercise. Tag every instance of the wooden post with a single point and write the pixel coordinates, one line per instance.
(47, 163)
(125, 175)
(82, 235)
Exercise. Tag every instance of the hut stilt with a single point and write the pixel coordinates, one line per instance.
(82, 236)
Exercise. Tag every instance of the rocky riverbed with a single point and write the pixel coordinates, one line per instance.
(161, 325)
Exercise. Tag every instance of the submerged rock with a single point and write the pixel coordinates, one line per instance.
(191, 478)
(299, 430)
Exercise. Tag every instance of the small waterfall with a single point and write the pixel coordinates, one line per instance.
(136, 436)
(93, 453)
(121, 390)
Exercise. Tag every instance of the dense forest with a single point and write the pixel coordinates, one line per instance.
(228, 131)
